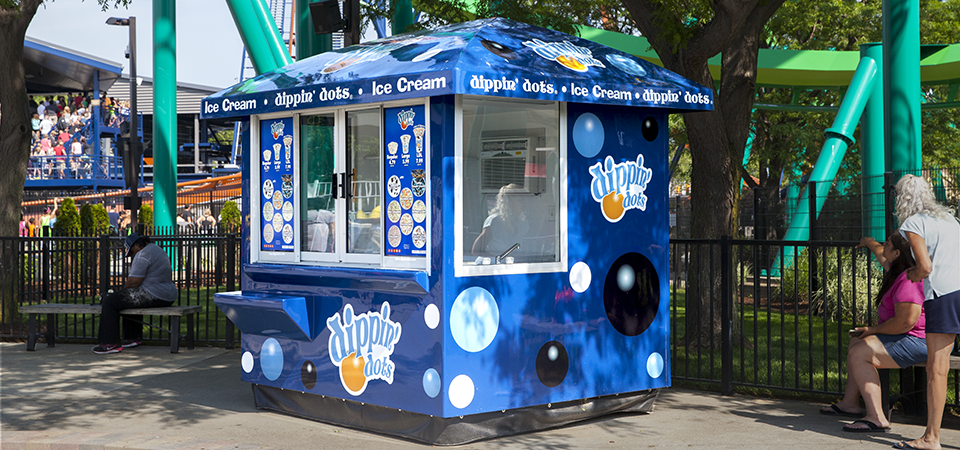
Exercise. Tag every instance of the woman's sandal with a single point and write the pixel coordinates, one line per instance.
(836, 411)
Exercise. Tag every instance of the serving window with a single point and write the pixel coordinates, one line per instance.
(338, 159)
(510, 204)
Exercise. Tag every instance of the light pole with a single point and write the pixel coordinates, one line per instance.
(131, 166)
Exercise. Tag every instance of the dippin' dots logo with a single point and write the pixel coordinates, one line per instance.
(361, 347)
(566, 54)
(619, 187)
(405, 118)
(277, 129)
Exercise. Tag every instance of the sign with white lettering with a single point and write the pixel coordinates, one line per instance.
(491, 57)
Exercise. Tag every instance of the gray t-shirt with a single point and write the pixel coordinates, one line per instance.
(943, 244)
(153, 265)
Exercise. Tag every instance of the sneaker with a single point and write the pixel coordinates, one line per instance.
(107, 348)
(131, 343)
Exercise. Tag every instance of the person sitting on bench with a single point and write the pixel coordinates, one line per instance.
(149, 285)
(896, 342)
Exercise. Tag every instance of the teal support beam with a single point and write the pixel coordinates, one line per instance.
(402, 17)
(308, 43)
(901, 84)
(872, 151)
(838, 138)
(259, 34)
(164, 113)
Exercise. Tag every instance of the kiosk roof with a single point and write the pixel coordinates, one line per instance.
(492, 57)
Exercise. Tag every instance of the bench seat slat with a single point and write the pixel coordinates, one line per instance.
(52, 309)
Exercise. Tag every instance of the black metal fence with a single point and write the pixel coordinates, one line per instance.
(744, 313)
(77, 269)
(773, 314)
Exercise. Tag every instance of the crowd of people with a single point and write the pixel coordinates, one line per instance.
(56, 122)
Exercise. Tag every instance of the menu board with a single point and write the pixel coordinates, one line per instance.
(276, 185)
(406, 181)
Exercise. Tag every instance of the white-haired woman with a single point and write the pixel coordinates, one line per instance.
(505, 226)
(934, 236)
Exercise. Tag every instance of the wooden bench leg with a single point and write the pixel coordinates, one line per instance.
(175, 334)
(190, 332)
(51, 330)
(32, 333)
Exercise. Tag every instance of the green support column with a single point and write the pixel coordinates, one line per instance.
(901, 83)
(164, 113)
(403, 17)
(872, 151)
(308, 43)
(259, 34)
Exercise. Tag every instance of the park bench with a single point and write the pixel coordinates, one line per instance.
(53, 309)
(913, 387)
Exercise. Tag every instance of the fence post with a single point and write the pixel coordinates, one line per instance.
(45, 268)
(218, 266)
(232, 262)
(104, 264)
(726, 316)
(231, 280)
(813, 235)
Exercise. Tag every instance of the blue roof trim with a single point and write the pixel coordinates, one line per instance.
(55, 51)
(491, 57)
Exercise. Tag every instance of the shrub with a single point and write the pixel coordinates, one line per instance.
(844, 288)
(145, 215)
(68, 219)
(94, 220)
(230, 217)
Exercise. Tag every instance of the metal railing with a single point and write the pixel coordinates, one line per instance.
(77, 269)
(736, 322)
(736, 326)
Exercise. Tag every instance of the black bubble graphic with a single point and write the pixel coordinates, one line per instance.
(650, 129)
(631, 294)
(308, 375)
(552, 364)
(498, 49)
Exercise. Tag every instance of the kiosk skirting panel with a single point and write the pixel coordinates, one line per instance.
(447, 431)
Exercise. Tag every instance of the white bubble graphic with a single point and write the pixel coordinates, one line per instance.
(474, 319)
(431, 316)
(552, 353)
(461, 391)
(246, 362)
(580, 277)
(626, 276)
(655, 365)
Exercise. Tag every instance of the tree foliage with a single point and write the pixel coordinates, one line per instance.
(788, 142)
(68, 219)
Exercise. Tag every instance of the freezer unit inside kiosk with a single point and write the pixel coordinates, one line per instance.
(456, 234)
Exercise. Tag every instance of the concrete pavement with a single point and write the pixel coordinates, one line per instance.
(148, 398)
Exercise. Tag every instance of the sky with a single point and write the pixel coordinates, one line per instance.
(209, 49)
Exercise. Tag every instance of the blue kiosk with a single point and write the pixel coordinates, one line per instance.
(456, 234)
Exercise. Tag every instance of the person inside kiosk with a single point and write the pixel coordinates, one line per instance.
(511, 182)
(504, 228)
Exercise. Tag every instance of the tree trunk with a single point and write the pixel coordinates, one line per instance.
(14, 143)
(717, 138)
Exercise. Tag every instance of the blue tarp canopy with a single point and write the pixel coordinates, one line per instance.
(49, 68)
(492, 57)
